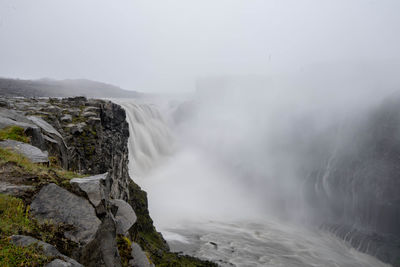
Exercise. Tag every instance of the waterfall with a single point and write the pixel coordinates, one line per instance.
(150, 137)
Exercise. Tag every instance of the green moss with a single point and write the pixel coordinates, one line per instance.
(15, 219)
(145, 234)
(124, 249)
(11, 255)
(14, 133)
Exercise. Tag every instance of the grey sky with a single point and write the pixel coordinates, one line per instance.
(166, 45)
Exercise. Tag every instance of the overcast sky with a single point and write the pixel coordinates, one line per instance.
(166, 45)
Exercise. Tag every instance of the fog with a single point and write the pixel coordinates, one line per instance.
(166, 46)
(244, 145)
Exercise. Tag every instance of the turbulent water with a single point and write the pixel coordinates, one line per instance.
(265, 244)
(185, 184)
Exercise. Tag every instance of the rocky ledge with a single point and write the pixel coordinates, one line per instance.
(66, 191)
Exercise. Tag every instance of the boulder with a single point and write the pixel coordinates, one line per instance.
(125, 217)
(48, 250)
(34, 154)
(92, 187)
(139, 257)
(57, 204)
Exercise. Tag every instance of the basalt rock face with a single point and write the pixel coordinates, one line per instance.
(355, 184)
(90, 137)
(87, 136)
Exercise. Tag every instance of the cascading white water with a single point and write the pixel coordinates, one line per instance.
(194, 187)
(150, 137)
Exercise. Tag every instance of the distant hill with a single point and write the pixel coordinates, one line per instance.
(62, 88)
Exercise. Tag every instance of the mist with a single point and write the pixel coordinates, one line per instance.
(242, 143)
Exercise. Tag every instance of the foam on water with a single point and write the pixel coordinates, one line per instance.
(267, 244)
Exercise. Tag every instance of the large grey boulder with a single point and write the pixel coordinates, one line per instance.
(125, 217)
(139, 257)
(57, 204)
(48, 250)
(34, 154)
(92, 186)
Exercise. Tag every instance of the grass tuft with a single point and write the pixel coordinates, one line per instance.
(11, 255)
(53, 174)
(15, 219)
(124, 249)
(14, 133)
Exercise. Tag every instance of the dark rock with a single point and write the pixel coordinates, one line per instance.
(57, 204)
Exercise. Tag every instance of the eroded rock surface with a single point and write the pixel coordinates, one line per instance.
(34, 154)
(57, 204)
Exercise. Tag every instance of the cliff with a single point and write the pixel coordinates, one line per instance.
(353, 180)
(64, 165)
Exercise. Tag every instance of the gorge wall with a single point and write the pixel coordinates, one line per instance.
(352, 183)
